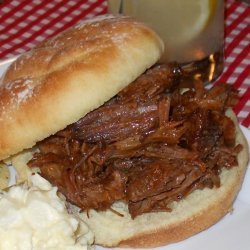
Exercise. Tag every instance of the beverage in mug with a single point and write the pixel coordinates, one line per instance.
(192, 30)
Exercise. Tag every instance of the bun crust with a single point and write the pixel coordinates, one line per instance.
(198, 211)
(64, 78)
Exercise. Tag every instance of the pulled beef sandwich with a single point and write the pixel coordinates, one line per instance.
(144, 162)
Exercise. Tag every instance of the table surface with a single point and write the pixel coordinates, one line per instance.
(25, 23)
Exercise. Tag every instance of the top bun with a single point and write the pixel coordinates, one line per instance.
(67, 76)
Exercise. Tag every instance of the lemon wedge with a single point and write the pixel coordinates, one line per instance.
(179, 20)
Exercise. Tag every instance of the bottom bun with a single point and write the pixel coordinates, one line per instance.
(198, 211)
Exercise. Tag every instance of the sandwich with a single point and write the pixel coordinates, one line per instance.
(143, 161)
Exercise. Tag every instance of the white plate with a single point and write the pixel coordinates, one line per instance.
(231, 233)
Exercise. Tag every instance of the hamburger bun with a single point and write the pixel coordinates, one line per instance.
(197, 212)
(64, 78)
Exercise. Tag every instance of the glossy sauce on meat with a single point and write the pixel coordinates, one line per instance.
(148, 146)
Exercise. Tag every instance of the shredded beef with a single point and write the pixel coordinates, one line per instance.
(148, 146)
